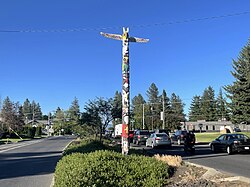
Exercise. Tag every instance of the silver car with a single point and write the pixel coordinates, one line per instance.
(158, 139)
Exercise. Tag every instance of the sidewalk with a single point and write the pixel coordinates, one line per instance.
(217, 176)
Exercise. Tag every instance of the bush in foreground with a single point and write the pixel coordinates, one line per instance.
(107, 168)
(85, 146)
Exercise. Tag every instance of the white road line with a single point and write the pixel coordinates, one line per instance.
(18, 146)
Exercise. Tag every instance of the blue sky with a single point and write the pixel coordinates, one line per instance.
(54, 67)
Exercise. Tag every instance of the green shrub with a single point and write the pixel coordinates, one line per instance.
(31, 132)
(107, 168)
(85, 146)
(39, 131)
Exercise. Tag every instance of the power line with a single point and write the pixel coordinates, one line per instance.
(194, 20)
(131, 26)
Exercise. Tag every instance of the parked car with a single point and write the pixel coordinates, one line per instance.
(162, 130)
(231, 143)
(179, 136)
(158, 139)
(130, 135)
(141, 136)
(237, 129)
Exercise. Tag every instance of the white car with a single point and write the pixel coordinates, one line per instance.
(158, 139)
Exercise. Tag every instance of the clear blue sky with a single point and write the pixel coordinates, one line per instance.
(54, 67)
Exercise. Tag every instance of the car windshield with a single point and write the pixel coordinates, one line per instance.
(177, 133)
(184, 132)
(161, 135)
(144, 133)
(241, 136)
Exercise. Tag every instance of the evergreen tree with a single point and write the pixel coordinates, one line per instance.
(117, 108)
(177, 115)
(74, 110)
(60, 122)
(137, 111)
(59, 114)
(221, 107)
(20, 116)
(72, 117)
(153, 94)
(38, 111)
(167, 109)
(27, 110)
(208, 105)
(195, 109)
(239, 91)
(154, 107)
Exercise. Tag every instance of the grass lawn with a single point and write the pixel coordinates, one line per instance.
(210, 136)
(206, 136)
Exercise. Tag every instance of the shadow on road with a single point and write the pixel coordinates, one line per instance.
(32, 165)
(27, 164)
(34, 159)
(4, 156)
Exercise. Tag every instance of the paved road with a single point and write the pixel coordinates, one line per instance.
(31, 163)
(236, 164)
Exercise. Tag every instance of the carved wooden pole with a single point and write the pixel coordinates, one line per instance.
(125, 82)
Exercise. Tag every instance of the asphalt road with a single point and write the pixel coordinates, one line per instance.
(237, 164)
(31, 163)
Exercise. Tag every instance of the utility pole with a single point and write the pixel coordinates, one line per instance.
(143, 117)
(163, 112)
(125, 81)
(33, 114)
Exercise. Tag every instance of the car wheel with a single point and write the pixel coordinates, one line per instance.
(213, 148)
(229, 150)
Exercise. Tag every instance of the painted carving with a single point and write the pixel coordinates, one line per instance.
(125, 79)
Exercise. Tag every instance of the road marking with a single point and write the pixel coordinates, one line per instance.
(18, 146)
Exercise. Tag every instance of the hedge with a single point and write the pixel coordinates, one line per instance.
(107, 168)
(85, 146)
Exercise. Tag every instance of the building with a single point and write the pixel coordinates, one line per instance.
(210, 126)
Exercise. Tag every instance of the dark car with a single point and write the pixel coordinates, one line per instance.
(179, 136)
(231, 143)
(141, 136)
(236, 129)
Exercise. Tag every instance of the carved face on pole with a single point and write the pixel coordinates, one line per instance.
(125, 81)
(125, 77)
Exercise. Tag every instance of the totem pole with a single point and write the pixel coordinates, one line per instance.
(125, 82)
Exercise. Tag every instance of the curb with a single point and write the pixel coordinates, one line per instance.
(53, 177)
(53, 181)
(212, 172)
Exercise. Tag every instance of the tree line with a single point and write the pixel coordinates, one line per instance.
(208, 107)
(14, 115)
(100, 112)
(236, 105)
